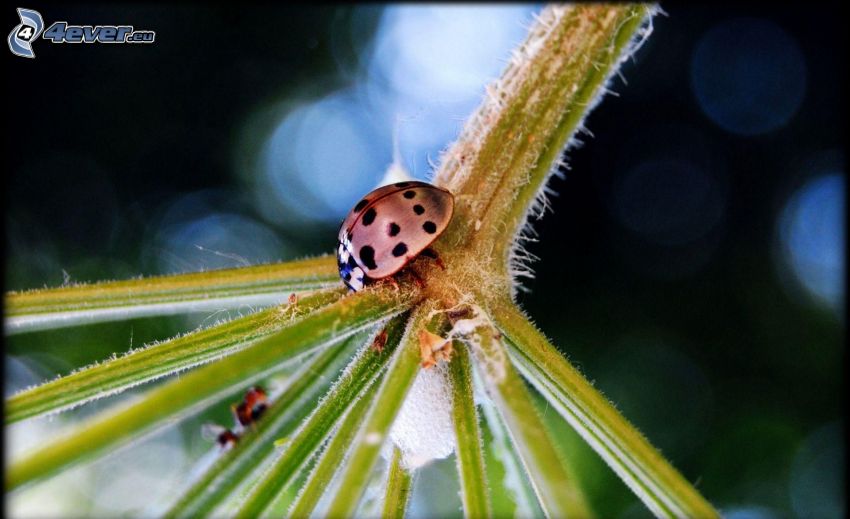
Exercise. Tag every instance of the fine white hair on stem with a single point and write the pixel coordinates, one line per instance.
(519, 258)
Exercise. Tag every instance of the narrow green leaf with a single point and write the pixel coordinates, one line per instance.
(331, 459)
(474, 491)
(556, 491)
(260, 285)
(160, 359)
(400, 375)
(660, 486)
(399, 488)
(294, 404)
(216, 380)
(513, 482)
(307, 439)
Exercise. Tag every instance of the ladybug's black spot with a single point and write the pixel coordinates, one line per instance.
(418, 209)
(399, 250)
(360, 205)
(393, 229)
(429, 227)
(409, 194)
(367, 257)
(401, 184)
(369, 216)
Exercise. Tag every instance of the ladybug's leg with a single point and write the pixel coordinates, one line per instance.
(394, 282)
(431, 253)
(417, 278)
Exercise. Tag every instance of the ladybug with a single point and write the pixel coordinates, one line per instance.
(388, 228)
(253, 406)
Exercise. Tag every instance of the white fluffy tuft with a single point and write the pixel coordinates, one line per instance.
(423, 430)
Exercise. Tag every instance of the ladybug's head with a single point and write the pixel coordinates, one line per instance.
(349, 271)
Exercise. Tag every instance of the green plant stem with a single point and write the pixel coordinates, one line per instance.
(400, 375)
(557, 493)
(399, 488)
(254, 448)
(660, 486)
(470, 457)
(332, 457)
(164, 295)
(217, 380)
(514, 481)
(307, 439)
(160, 359)
(509, 147)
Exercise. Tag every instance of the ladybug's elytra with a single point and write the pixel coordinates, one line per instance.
(388, 228)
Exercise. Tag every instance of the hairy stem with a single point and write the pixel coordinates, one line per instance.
(253, 449)
(509, 147)
(388, 402)
(360, 374)
(399, 488)
(470, 457)
(331, 460)
(557, 492)
(660, 486)
(165, 295)
(160, 359)
(191, 392)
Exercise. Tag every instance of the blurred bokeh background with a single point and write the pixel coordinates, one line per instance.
(693, 265)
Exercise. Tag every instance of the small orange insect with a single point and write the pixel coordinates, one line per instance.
(247, 412)
(252, 407)
(221, 435)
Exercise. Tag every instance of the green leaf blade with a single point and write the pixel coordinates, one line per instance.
(400, 376)
(399, 488)
(557, 492)
(159, 360)
(261, 285)
(189, 393)
(331, 459)
(660, 486)
(470, 455)
(255, 447)
(360, 375)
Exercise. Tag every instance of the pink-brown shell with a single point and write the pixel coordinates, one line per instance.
(390, 226)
